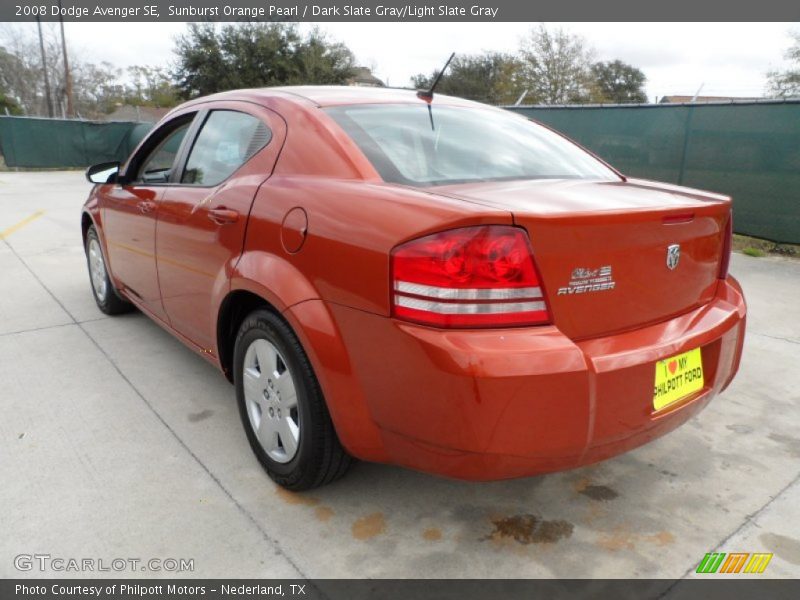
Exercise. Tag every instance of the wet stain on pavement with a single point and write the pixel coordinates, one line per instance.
(594, 512)
(323, 513)
(623, 538)
(582, 484)
(369, 526)
(200, 416)
(662, 538)
(784, 547)
(600, 493)
(294, 498)
(432, 534)
(529, 529)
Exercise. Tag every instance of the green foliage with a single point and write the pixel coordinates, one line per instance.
(213, 59)
(786, 84)
(555, 66)
(616, 82)
(97, 88)
(17, 78)
(150, 86)
(552, 66)
(490, 77)
(9, 106)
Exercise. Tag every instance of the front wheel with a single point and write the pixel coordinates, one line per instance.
(282, 407)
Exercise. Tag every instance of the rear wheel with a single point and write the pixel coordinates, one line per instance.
(282, 407)
(103, 290)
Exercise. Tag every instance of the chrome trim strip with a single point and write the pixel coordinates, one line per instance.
(451, 308)
(429, 291)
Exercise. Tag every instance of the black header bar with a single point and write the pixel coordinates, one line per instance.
(398, 11)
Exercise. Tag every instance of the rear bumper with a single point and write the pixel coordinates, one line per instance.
(507, 403)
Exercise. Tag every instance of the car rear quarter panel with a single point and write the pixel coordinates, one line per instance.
(353, 222)
(352, 227)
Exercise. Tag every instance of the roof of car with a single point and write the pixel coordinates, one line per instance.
(333, 95)
(330, 95)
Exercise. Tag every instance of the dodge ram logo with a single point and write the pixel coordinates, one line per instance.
(673, 256)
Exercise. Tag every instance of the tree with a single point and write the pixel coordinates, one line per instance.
(150, 86)
(785, 84)
(21, 72)
(97, 87)
(617, 82)
(491, 77)
(212, 59)
(322, 61)
(555, 66)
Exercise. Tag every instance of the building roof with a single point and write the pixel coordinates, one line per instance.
(363, 77)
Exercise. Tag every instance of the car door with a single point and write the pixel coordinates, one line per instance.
(130, 210)
(202, 217)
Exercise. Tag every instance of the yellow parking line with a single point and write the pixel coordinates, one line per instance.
(7, 232)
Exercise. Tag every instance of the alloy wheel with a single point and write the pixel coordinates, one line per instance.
(97, 270)
(271, 400)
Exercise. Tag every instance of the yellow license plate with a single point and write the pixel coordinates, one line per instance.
(677, 377)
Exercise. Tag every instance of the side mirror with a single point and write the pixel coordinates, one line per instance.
(103, 173)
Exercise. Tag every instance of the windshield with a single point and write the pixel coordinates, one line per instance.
(437, 145)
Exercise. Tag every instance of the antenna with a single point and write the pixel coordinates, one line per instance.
(428, 94)
(697, 93)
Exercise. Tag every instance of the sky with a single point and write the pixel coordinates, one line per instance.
(726, 59)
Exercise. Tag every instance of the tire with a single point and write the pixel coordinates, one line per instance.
(106, 296)
(282, 407)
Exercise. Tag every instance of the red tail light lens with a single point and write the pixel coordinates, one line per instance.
(472, 277)
(726, 248)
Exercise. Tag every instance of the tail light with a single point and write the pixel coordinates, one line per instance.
(472, 277)
(726, 248)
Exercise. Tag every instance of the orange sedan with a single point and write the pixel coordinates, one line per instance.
(428, 282)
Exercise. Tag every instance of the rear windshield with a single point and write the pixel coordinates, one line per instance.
(437, 145)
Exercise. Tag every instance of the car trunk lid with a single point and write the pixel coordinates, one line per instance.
(615, 255)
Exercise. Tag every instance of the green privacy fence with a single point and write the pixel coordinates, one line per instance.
(56, 143)
(750, 151)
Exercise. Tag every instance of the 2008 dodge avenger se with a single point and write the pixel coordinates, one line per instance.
(422, 281)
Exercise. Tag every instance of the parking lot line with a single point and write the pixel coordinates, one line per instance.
(27, 220)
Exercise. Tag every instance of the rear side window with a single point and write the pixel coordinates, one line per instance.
(421, 144)
(227, 140)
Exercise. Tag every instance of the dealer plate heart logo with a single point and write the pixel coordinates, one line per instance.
(673, 364)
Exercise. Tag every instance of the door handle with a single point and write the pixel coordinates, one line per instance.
(223, 216)
(145, 206)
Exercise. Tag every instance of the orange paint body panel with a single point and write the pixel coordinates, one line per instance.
(508, 403)
(312, 234)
